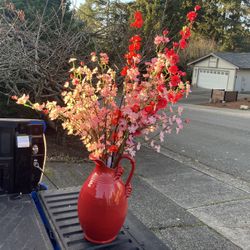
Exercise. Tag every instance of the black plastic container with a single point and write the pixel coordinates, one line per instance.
(22, 150)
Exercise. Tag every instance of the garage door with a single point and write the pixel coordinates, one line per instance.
(212, 79)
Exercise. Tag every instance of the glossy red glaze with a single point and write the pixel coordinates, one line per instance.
(102, 203)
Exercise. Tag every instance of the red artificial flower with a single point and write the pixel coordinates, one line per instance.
(161, 88)
(197, 7)
(172, 56)
(135, 39)
(185, 33)
(175, 44)
(175, 80)
(191, 16)
(140, 87)
(187, 120)
(124, 71)
(114, 136)
(152, 110)
(174, 97)
(45, 111)
(82, 63)
(113, 148)
(178, 96)
(173, 69)
(183, 44)
(149, 109)
(165, 32)
(137, 133)
(136, 108)
(14, 97)
(171, 96)
(134, 46)
(182, 73)
(162, 103)
(116, 116)
(118, 113)
(138, 20)
(75, 81)
(114, 121)
(129, 56)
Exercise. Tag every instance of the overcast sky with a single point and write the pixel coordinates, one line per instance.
(78, 2)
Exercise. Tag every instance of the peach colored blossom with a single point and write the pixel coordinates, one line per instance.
(23, 99)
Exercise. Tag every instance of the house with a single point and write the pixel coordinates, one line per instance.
(222, 70)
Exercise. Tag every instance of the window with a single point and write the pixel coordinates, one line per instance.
(212, 61)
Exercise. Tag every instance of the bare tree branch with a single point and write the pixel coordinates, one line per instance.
(34, 56)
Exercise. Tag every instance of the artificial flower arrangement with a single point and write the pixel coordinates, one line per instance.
(108, 123)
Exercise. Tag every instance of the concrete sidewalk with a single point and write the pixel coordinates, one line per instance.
(220, 210)
(186, 208)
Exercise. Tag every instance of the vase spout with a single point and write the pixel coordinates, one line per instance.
(99, 162)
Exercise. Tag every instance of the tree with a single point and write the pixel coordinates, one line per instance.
(33, 8)
(34, 56)
(225, 21)
(107, 20)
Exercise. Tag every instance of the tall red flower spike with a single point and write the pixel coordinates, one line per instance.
(197, 7)
(138, 20)
(191, 16)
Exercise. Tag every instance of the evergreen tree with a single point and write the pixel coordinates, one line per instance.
(51, 10)
(108, 22)
(225, 21)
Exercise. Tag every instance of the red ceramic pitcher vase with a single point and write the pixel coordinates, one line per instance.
(103, 202)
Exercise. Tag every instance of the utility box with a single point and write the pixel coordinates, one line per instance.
(217, 95)
(231, 96)
(220, 95)
(22, 153)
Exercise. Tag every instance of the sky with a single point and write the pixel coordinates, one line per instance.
(78, 2)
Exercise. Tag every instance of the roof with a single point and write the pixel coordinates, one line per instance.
(241, 60)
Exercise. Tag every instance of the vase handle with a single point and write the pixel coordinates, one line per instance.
(132, 162)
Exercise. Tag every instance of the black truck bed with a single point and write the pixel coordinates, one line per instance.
(61, 210)
(21, 227)
(20, 224)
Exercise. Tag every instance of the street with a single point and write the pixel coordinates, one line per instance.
(217, 138)
(206, 171)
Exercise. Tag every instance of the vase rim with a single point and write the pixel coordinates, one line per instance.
(103, 165)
